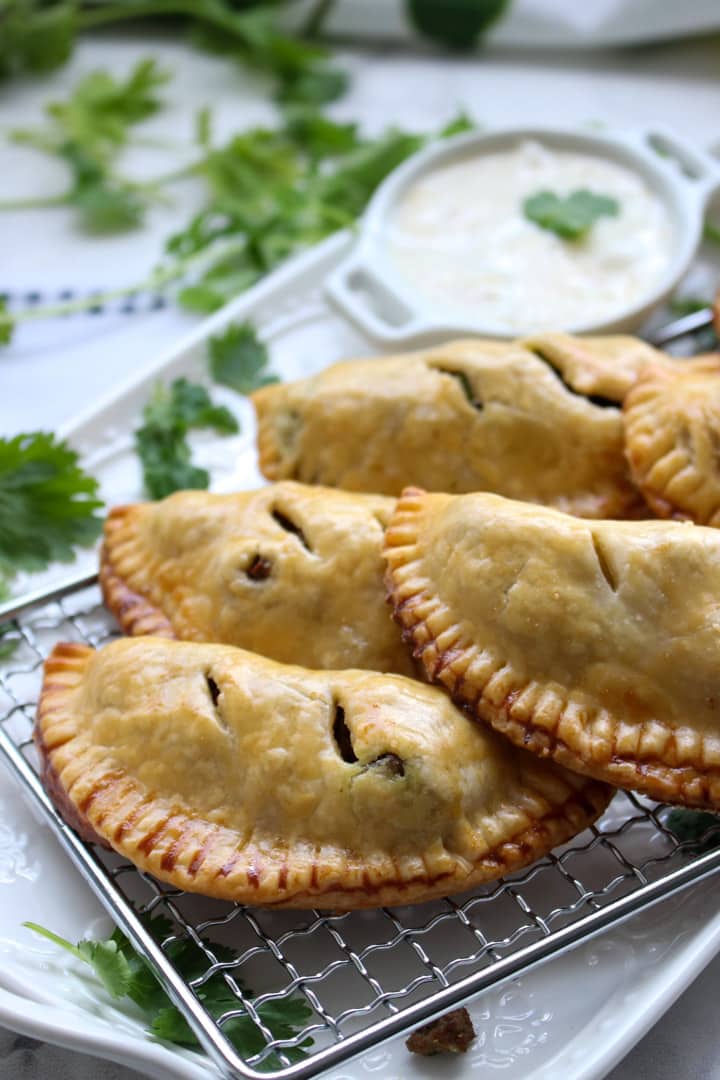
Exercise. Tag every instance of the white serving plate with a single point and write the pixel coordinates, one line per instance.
(574, 1017)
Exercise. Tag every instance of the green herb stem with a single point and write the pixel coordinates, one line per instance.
(315, 21)
(156, 281)
(41, 202)
(56, 939)
(183, 172)
(110, 13)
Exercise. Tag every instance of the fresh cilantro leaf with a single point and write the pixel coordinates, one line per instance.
(253, 36)
(204, 299)
(40, 35)
(7, 647)
(107, 207)
(111, 966)
(711, 233)
(36, 37)
(459, 125)
(688, 305)
(275, 192)
(285, 1015)
(698, 826)
(203, 128)
(238, 359)
(571, 216)
(126, 974)
(351, 184)
(101, 111)
(455, 23)
(87, 131)
(225, 278)
(161, 440)
(167, 461)
(169, 1023)
(189, 404)
(6, 323)
(314, 87)
(317, 135)
(47, 503)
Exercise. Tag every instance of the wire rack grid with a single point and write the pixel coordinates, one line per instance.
(361, 976)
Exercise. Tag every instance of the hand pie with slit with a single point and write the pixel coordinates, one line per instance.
(292, 572)
(236, 777)
(604, 369)
(596, 644)
(467, 416)
(672, 437)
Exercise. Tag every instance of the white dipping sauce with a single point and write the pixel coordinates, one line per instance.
(460, 237)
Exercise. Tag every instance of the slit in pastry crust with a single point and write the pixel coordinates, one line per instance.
(289, 571)
(537, 420)
(595, 644)
(262, 806)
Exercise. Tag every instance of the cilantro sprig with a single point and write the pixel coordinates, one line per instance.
(47, 503)
(271, 193)
(569, 216)
(268, 192)
(40, 35)
(456, 24)
(239, 359)
(161, 440)
(699, 829)
(711, 233)
(125, 974)
(87, 131)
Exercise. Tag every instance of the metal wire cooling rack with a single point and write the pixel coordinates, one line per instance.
(365, 975)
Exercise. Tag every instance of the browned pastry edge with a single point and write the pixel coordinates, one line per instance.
(687, 784)
(64, 806)
(250, 876)
(638, 423)
(134, 613)
(269, 456)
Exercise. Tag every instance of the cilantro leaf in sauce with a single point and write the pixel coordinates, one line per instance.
(569, 216)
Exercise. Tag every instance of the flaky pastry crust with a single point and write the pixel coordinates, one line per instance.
(672, 438)
(236, 777)
(592, 643)
(289, 571)
(603, 368)
(467, 416)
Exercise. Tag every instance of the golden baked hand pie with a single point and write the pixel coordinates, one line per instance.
(593, 643)
(471, 415)
(672, 436)
(236, 777)
(293, 572)
(602, 368)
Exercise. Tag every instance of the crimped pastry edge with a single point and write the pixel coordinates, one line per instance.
(270, 459)
(157, 842)
(646, 448)
(446, 662)
(134, 612)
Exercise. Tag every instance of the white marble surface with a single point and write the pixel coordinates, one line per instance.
(54, 370)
